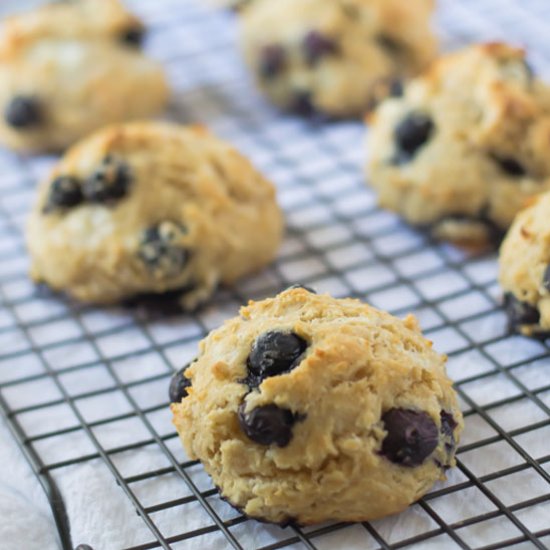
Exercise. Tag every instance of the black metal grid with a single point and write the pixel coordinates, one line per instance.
(101, 376)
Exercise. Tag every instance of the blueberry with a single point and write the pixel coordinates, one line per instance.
(110, 182)
(160, 250)
(308, 288)
(520, 313)
(317, 46)
(448, 425)
(65, 192)
(510, 166)
(389, 43)
(272, 61)
(546, 278)
(133, 36)
(412, 436)
(396, 88)
(302, 104)
(274, 353)
(24, 112)
(178, 386)
(412, 133)
(268, 424)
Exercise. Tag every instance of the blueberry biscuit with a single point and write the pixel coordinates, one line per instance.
(318, 56)
(465, 146)
(525, 270)
(151, 208)
(75, 19)
(69, 68)
(308, 408)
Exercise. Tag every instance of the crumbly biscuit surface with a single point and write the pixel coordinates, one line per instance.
(357, 367)
(151, 208)
(69, 68)
(464, 148)
(314, 55)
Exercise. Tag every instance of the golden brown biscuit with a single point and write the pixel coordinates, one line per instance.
(328, 57)
(151, 208)
(75, 19)
(69, 68)
(525, 270)
(465, 146)
(308, 408)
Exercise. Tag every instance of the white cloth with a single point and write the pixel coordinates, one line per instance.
(25, 518)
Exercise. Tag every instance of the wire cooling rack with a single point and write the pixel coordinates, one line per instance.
(85, 386)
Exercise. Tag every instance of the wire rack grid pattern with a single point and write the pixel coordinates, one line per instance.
(86, 360)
